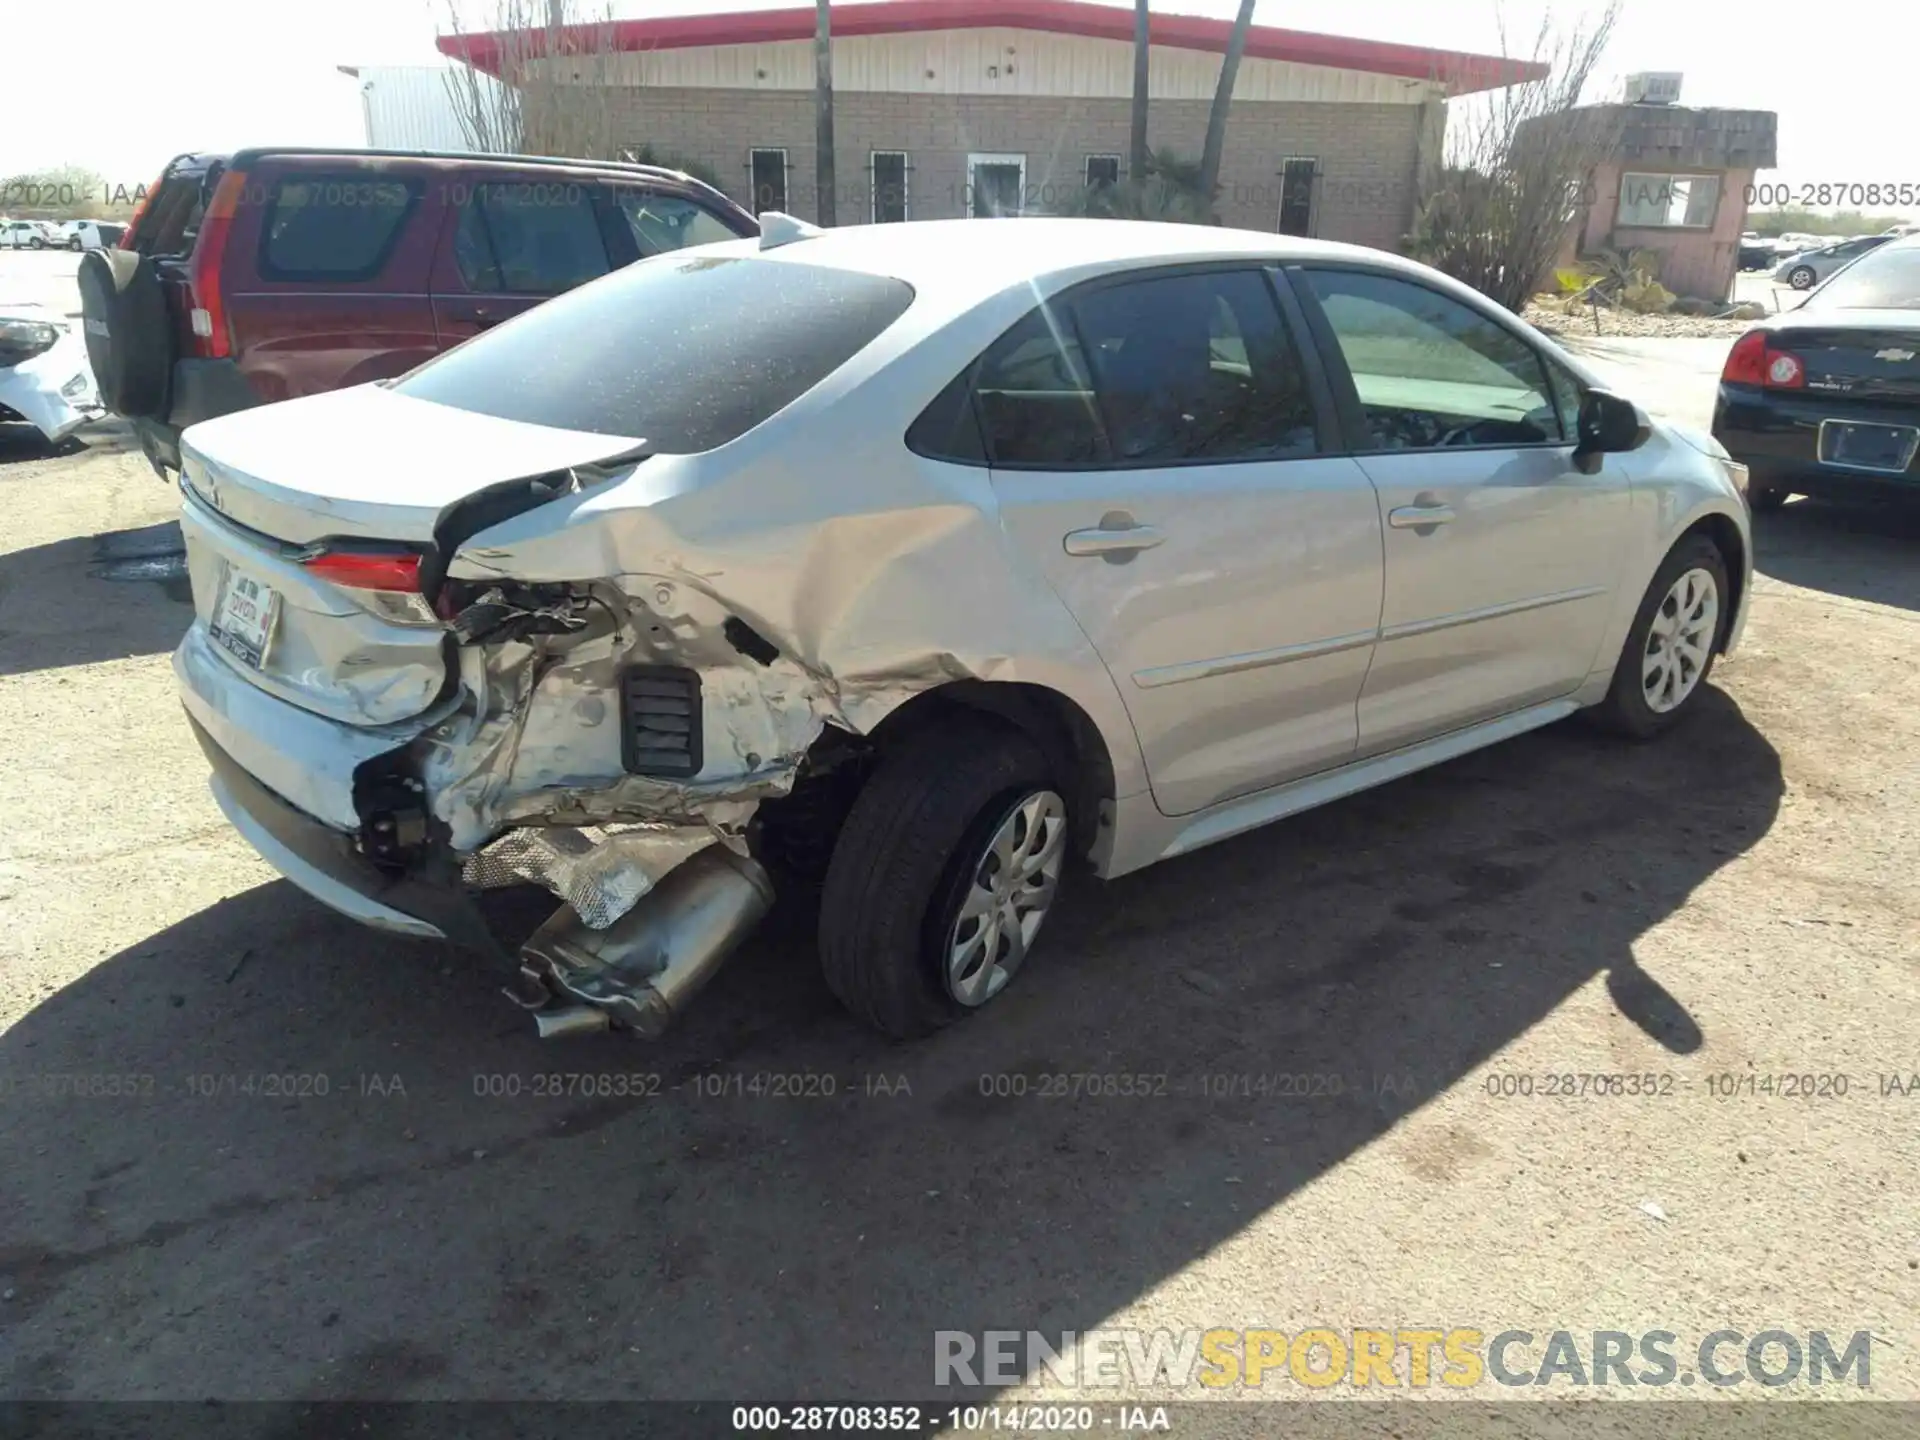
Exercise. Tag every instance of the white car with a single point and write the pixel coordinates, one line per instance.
(931, 561)
(45, 380)
(91, 234)
(29, 235)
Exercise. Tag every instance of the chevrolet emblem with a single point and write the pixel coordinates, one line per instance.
(1896, 355)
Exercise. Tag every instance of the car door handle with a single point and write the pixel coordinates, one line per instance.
(1418, 517)
(1112, 541)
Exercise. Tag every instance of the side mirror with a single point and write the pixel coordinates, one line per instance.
(1608, 425)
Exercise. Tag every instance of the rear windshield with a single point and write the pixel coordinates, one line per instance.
(687, 351)
(1883, 279)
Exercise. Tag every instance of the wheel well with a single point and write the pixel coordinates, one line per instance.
(1727, 539)
(1072, 744)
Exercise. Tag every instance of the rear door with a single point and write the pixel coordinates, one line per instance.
(1159, 449)
(324, 277)
(508, 244)
(1501, 557)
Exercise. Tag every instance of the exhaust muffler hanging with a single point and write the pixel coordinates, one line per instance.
(641, 971)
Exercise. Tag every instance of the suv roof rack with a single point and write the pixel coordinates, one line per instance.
(260, 152)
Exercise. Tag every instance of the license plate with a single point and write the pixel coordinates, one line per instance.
(243, 617)
(1885, 449)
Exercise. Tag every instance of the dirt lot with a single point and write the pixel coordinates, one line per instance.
(1734, 903)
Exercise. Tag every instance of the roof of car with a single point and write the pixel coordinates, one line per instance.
(961, 258)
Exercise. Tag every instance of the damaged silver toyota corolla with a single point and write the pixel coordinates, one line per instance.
(921, 563)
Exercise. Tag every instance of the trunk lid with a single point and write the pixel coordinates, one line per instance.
(271, 496)
(1864, 354)
(367, 463)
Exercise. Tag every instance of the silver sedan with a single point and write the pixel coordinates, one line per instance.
(933, 565)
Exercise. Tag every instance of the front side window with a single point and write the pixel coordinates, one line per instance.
(668, 222)
(332, 227)
(1166, 370)
(529, 238)
(1430, 371)
(685, 351)
(1668, 202)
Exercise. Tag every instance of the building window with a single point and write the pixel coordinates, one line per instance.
(1298, 175)
(996, 185)
(1669, 202)
(889, 175)
(1103, 170)
(769, 177)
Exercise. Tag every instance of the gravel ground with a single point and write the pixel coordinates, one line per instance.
(1624, 323)
(466, 1213)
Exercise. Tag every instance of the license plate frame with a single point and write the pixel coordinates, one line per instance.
(1887, 449)
(246, 612)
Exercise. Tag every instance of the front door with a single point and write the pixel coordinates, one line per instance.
(1155, 445)
(1501, 556)
(995, 185)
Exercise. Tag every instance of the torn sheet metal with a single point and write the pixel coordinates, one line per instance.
(601, 871)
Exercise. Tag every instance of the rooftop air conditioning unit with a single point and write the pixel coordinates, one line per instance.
(1654, 87)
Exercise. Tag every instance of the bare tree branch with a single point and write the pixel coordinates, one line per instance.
(1518, 164)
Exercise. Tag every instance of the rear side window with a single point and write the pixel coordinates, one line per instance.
(668, 222)
(530, 237)
(1431, 372)
(333, 227)
(686, 351)
(1165, 370)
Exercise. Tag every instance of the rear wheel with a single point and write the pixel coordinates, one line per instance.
(1670, 648)
(942, 877)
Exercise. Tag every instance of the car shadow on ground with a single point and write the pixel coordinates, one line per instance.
(93, 598)
(1863, 549)
(20, 443)
(772, 1193)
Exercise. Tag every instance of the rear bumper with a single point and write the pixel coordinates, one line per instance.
(202, 390)
(1776, 435)
(284, 778)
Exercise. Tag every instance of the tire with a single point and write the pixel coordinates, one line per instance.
(76, 244)
(1628, 710)
(1801, 277)
(36, 243)
(1764, 499)
(129, 336)
(908, 859)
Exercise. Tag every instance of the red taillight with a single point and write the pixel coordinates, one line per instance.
(1754, 361)
(211, 340)
(359, 571)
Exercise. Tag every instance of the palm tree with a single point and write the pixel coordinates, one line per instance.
(823, 111)
(1223, 101)
(1137, 157)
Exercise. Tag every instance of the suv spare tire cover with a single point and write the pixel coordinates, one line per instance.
(129, 337)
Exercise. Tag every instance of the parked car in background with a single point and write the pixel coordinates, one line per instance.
(271, 274)
(1825, 398)
(1808, 268)
(44, 380)
(91, 234)
(928, 561)
(1757, 253)
(28, 235)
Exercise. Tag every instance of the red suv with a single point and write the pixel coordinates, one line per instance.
(268, 274)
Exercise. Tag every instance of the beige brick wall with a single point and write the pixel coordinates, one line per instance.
(1368, 154)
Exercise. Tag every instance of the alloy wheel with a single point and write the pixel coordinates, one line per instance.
(1012, 884)
(1680, 641)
